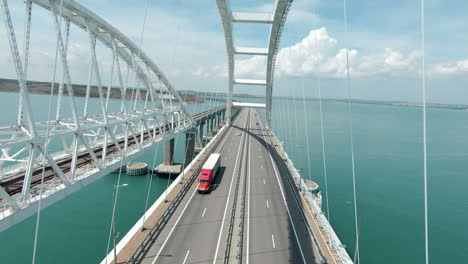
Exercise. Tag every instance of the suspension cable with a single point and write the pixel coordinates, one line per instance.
(46, 145)
(149, 186)
(286, 125)
(114, 203)
(350, 123)
(306, 130)
(295, 123)
(176, 137)
(322, 134)
(423, 88)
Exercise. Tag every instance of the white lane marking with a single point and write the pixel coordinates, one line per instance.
(284, 200)
(190, 199)
(204, 211)
(273, 240)
(248, 202)
(227, 202)
(268, 206)
(263, 180)
(172, 230)
(186, 256)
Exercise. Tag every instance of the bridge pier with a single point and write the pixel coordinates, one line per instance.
(168, 167)
(220, 120)
(190, 137)
(211, 125)
(169, 152)
(200, 129)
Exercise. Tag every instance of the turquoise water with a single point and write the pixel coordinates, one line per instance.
(388, 151)
(389, 176)
(76, 228)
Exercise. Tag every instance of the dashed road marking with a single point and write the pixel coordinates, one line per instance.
(186, 256)
(268, 206)
(273, 240)
(204, 211)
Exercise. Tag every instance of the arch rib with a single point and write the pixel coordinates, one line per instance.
(277, 20)
(80, 16)
(86, 147)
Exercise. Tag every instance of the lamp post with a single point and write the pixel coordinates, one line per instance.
(114, 233)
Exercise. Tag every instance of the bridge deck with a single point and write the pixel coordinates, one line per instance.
(13, 183)
(200, 230)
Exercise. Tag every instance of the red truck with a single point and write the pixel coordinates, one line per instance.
(208, 173)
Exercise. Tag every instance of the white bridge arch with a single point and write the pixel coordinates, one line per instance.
(90, 146)
(277, 20)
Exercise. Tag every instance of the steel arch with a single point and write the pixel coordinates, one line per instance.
(277, 20)
(91, 146)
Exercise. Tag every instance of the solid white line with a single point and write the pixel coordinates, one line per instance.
(268, 206)
(273, 240)
(172, 230)
(248, 203)
(186, 256)
(285, 203)
(204, 211)
(227, 201)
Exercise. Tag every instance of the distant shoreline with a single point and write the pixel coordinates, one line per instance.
(79, 90)
(220, 96)
(393, 103)
(191, 96)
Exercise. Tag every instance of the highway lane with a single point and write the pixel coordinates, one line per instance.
(195, 238)
(276, 231)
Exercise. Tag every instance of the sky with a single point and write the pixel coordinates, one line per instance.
(185, 39)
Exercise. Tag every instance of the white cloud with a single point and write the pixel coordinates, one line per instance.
(454, 68)
(319, 52)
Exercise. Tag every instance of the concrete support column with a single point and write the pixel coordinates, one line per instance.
(169, 152)
(201, 132)
(208, 126)
(190, 137)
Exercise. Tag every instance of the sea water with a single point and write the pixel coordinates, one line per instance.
(388, 174)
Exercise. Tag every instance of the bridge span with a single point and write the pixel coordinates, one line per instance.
(255, 212)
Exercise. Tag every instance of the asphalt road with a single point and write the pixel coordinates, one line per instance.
(277, 233)
(273, 231)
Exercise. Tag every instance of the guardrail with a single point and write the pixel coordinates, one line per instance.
(337, 253)
(139, 253)
(244, 158)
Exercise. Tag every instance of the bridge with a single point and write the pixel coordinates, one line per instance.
(261, 210)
